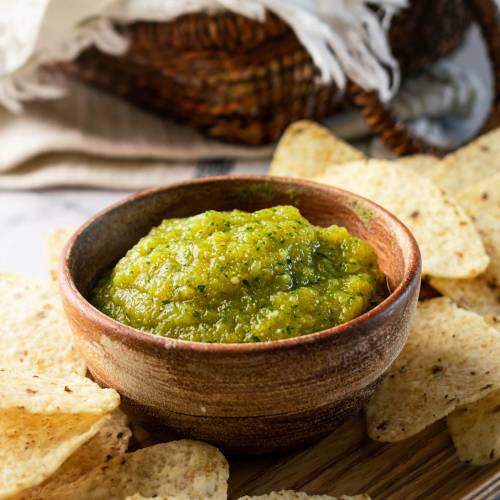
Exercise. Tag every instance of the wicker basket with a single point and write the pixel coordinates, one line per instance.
(244, 81)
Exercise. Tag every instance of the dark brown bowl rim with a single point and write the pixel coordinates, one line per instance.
(72, 294)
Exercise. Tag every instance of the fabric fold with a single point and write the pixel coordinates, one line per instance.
(346, 38)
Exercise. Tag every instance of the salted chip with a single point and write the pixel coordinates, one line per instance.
(139, 497)
(169, 497)
(43, 421)
(56, 241)
(47, 395)
(34, 333)
(32, 447)
(300, 495)
(183, 469)
(111, 441)
(475, 430)
(174, 497)
(452, 358)
(481, 294)
(449, 243)
(420, 164)
(482, 202)
(306, 149)
(472, 163)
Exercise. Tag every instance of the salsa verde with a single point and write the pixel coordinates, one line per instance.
(241, 277)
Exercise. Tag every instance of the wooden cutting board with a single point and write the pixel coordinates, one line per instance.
(347, 462)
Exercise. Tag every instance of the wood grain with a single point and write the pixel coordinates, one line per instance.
(348, 462)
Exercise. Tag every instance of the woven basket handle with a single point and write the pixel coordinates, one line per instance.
(394, 133)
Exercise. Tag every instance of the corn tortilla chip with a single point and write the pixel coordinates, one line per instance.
(111, 441)
(56, 241)
(48, 395)
(139, 497)
(452, 358)
(475, 430)
(185, 468)
(299, 495)
(449, 242)
(43, 421)
(306, 149)
(482, 197)
(420, 164)
(169, 497)
(481, 294)
(32, 447)
(468, 165)
(34, 334)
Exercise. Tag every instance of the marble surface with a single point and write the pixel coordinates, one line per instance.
(27, 217)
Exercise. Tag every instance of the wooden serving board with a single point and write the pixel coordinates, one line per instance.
(348, 462)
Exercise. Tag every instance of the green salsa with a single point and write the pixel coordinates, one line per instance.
(241, 277)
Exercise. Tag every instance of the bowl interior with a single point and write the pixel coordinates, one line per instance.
(108, 236)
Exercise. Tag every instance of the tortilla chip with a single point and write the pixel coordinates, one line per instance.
(169, 497)
(420, 164)
(43, 421)
(306, 149)
(56, 241)
(47, 395)
(452, 358)
(482, 203)
(482, 294)
(32, 447)
(449, 243)
(481, 198)
(34, 333)
(475, 430)
(299, 495)
(470, 164)
(111, 441)
(189, 469)
(139, 497)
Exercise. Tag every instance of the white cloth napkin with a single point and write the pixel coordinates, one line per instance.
(90, 139)
(345, 38)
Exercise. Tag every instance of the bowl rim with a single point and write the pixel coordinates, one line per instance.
(70, 292)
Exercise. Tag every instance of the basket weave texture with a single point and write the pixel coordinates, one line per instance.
(244, 81)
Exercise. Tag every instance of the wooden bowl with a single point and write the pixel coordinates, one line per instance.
(245, 398)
